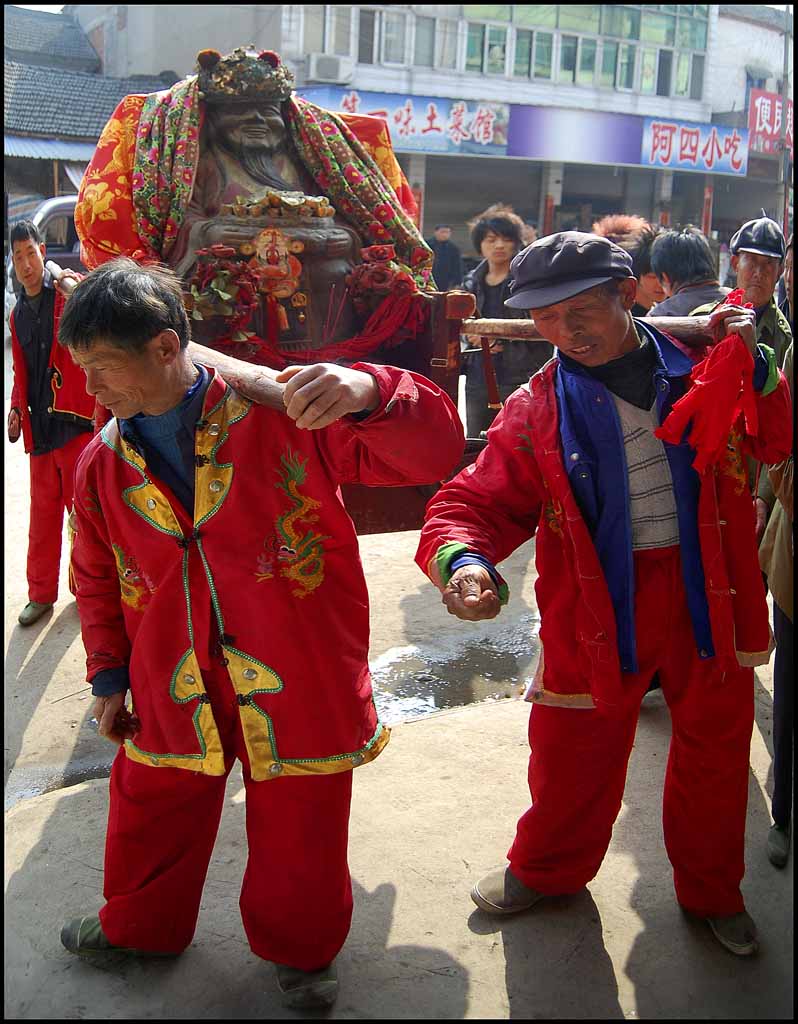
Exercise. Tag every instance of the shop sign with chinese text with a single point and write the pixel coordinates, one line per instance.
(765, 113)
(425, 124)
(686, 146)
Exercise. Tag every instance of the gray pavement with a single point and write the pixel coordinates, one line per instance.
(432, 814)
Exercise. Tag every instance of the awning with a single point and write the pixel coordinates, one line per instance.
(48, 149)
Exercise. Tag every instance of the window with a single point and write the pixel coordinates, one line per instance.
(580, 17)
(544, 15)
(664, 73)
(692, 34)
(445, 43)
(648, 72)
(626, 67)
(544, 55)
(620, 21)
(697, 77)
(497, 50)
(424, 52)
(342, 30)
(366, 36)
(394, 30)
(522, 63)
(475, 47)
(486, 49)
(313, 28)
(682, 86)
(658, 28)
(487, 12)
(586, 67)
(568, 47)
(609, 64)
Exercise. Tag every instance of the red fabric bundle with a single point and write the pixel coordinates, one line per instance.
(398, 318)
(721, 392)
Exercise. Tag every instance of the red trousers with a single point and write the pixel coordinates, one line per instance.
(296, 897)
(52, 488)
(577, 768)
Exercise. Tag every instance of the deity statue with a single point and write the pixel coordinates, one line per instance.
(290, 226)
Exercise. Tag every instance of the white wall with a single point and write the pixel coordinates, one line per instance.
(741, 43)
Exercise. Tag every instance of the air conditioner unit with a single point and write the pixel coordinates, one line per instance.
(324, 67)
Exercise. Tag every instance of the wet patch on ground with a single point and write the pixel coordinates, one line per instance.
(412, 682)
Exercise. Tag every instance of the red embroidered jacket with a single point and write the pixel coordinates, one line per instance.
(270, 564)
(519, 487)
(68, 380)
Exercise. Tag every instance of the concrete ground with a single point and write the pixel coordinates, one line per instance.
(430, 816)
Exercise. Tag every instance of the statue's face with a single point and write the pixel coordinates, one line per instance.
(238, 125)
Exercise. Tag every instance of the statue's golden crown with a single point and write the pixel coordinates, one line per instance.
(243, 76)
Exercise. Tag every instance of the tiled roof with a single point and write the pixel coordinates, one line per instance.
(759, 14)
(38, 37)
(68, 104)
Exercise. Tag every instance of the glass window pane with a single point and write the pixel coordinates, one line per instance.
(692, 34)
(497, 49)
(664, 74)
(686, 8)
(697, 80)
(544, 54)
(424, 52)
(342, 23)
(475, 47)
(701, 10)
(609, 62)
(393, 38)
(671, 8)
(536, 14)
(568, 58)
(313, 28)
(487, 12)
(620, 21)
(682, 75)
(658, 28)
(648, 71)
(586, 75)
(523, 53)
(365, 37)
(445, 44)
(626, 67)
(580, 17)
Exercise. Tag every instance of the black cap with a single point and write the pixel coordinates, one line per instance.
(559, 266)
(763, 236)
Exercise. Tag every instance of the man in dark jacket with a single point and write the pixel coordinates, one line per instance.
(683, 263)
(497, 238)
(447, 268)
(50, 410)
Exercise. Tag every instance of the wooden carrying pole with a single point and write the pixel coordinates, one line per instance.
(690, 330)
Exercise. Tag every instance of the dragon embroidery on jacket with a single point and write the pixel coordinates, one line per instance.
(300, 550)
(134, 585)
(733, 465)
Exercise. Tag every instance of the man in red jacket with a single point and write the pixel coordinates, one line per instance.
(644, 566)
(49, 408)
(219, 580)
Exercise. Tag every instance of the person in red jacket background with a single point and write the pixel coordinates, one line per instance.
(50, 410)
(644, 566)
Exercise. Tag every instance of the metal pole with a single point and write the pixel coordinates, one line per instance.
(784, 175)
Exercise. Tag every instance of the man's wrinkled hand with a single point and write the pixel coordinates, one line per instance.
(735, 320)
(471, 594)
(114, 721)
(316, 396)
(14, 426)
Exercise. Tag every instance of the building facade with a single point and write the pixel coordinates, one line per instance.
(566, 112)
